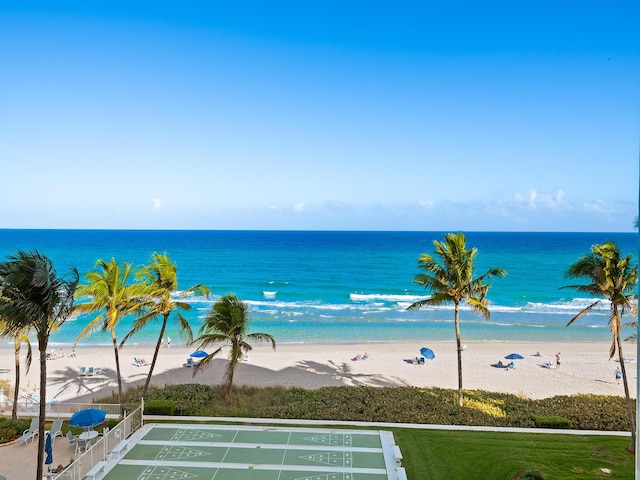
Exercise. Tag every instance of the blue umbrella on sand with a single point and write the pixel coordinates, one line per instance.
(514, 356)
(48, 449)
(199, 354)
(88, 417)
(427, 353)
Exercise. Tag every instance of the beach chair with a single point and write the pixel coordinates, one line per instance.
(56, 430)
(190, 363)
(83, 371)
(29, 434)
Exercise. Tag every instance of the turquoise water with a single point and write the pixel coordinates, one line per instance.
(343, 286)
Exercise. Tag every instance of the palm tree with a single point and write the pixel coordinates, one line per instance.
(18, 339)
(450, 279)
(34, 297)
(161, 276)
(228, 325)
(109, 294)
(614, 277)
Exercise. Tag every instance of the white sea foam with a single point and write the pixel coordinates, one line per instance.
(368, 297)
(268, 294)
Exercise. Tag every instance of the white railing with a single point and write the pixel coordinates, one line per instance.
(101, 449)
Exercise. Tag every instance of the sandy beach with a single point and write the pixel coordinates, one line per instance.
(585, 368)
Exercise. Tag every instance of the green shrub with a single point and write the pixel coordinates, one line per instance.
(553, 421)
(160, 407)
(10, 431)
(435, 406)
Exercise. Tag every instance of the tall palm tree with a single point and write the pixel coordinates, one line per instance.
(34, 297)
(161, 276)
(450, 277)
(18, 339)
(108, 293)
(19, 336)
(613, 276)
(228, 324)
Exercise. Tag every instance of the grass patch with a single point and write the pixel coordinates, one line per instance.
(469, 455)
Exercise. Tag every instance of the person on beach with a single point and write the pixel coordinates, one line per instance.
(168, 342)
(618, 375)
(558, 360)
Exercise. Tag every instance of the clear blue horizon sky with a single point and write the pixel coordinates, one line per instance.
(320, 115)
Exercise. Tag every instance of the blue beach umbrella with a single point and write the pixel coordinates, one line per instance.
(88, 417)
(48, 449)
(514, 356)
(427, 353)
(199, 354)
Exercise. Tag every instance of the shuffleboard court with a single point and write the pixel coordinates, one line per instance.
(215, 452)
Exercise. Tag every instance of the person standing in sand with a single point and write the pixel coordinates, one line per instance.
(618, 375)
(558, 360)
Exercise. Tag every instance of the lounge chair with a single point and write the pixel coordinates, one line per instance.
(190, 363)
(56, 430)
(83, 371)
(29, 434)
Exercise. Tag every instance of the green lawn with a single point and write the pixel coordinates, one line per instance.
(468, 455)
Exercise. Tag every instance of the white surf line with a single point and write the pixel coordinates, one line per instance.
(250, 466)
(265, 446)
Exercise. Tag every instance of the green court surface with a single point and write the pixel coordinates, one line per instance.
(214, 452)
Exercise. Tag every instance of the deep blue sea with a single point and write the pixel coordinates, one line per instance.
(343, 286)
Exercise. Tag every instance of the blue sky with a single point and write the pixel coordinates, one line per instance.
(320, 115)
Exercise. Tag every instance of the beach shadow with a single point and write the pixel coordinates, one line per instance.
(68, 381)
(344, 372)
(605, 381)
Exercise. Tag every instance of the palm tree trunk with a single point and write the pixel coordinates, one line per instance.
(118, 374)
(228, 376)
(16, 392)
(459, 350)
(155, 354)
(42, 345)
(632, 422)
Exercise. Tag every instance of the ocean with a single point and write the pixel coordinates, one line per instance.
(342, 287)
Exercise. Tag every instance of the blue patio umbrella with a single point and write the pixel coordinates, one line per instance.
(48, 449)
(427, 353)
(514, 356)
(199, 354)
(88, 417)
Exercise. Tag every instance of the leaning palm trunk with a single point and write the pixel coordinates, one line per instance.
(626, 394)
(118, 373)
(228, 377)
(156, 352)
(16, 392)
(459, 350)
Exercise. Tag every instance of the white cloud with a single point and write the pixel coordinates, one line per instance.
(298, 206)
(535, 199)
(156, 204)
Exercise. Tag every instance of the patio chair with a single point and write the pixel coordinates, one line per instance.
(73, 440)
(56, 430)
(29, 434)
